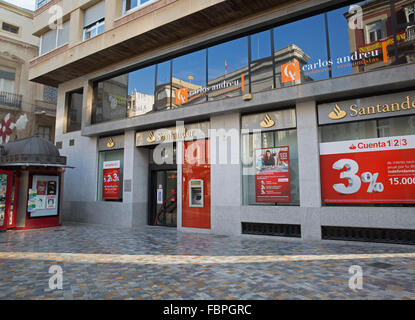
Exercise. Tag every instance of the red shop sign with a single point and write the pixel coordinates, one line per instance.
(111, 180)
(378, 170)
(272, 178)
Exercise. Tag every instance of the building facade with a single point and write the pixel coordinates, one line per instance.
(285, 118)
(27, 109)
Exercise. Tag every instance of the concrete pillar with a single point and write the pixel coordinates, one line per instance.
(87, 102)
(136, 162)
(76, 27)
(22, 200)
(179, 160)
(309, 169)
(226, 177)
(113, 10)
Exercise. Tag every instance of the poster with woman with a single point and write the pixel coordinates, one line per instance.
(272, 175)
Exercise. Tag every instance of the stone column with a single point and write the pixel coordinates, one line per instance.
(136, 180)
(113, 10)
(76, 27)
(309, 168)
(226, 174)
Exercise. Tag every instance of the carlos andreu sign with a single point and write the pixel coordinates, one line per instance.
(392, 105)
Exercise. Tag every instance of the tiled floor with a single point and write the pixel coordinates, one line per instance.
(157, 263)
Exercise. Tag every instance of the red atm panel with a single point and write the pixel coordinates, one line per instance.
(196, 185)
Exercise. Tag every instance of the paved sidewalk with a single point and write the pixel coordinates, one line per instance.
(157, 263)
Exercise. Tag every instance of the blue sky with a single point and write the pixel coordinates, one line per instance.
(27, 4)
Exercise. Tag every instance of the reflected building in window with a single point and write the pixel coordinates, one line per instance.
(139, 104)
(372, 44)
(111, 102)
(289, 60)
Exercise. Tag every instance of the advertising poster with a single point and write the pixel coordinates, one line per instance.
(31, 204)
(50, 202)
(380, 170)
(40, 202)
(111, 183)
(272, 178)
(51, 188)
(41, 188)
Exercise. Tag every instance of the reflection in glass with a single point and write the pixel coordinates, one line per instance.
(141, 91)
(370, 37)
(189, 79)
(379, 128)
(163, 88)
(405, 13)
(110, 102)
(74, 111)
(228, 69)
(301, 52)
(262, 64)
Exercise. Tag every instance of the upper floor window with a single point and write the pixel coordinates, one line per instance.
(41, 3)
(7, 79)
(10, 28)
(94, 20)
(44, 132)
(132, 4)
(54, 38)
(94, 30)
(410, 13)
(50, 94)
(374, 31)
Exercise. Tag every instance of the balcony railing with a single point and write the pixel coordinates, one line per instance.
(11, 99)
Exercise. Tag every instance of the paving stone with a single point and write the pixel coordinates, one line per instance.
(100, 262)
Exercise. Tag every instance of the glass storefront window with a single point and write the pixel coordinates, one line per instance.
(379, 128)
(269, 140)
(405, 16)
(363, 36)
(141, 91)
(262, 75)
(163, 88)
(189, 79)
(368, 163)
(110, 99)
(74, 110)
(301, 52)
(106, 156)
(228, 69)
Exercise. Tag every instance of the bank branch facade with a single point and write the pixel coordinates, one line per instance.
(291, 119)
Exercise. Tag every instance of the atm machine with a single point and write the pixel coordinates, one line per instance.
(196, 192)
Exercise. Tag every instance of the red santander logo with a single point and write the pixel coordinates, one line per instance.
(352, 147)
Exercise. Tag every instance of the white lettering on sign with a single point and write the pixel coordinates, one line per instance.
(112, 164)
(368, 145)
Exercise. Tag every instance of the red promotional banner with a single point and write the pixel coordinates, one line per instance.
(272, 179)
(111, 183)
(369, 171)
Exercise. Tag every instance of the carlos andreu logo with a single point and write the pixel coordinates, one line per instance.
(267, 122)
(337, 113)
(182, 96)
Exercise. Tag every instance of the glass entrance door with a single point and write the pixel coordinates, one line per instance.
(163, 206)
(6, 178)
